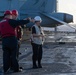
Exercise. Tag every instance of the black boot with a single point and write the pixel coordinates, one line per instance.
(39, 64)
(34, 65)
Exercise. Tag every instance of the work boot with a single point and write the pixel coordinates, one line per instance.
(19, 70)
(6, 71)
(39, 64)
(21, 67)
(35, 67)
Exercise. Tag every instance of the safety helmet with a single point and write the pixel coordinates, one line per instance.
(7, 12)
(38, 18)
(15, 12)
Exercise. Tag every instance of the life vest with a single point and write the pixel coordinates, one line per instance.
(6, 29)
(37, 40)
(19, 32)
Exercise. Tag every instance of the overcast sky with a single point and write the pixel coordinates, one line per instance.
(68, 6)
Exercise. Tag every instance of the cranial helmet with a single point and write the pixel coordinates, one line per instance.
(15, 12)
(37, 18)
(7, 12)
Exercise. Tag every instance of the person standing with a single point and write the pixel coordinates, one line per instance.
(37, 41)
(9, 40)
(18, 30)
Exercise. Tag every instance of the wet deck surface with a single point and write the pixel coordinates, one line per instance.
(58, 59)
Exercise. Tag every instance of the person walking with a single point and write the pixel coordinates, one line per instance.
(37, 42)
(9, 40)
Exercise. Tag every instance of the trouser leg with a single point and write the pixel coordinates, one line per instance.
(40, 52)
(39, 56)
(6, 59)
(14, 59)
(19, 43)
(34, 56)
(18, 51)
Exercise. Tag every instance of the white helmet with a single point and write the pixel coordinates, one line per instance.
(38, 18)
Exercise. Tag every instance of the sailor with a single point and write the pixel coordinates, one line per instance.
(9, 40)
(19, 30)
(37, 42)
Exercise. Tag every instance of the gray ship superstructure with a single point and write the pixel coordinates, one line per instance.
(47, 9)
